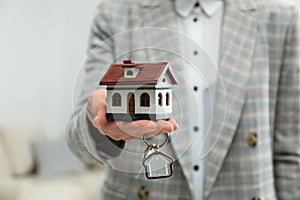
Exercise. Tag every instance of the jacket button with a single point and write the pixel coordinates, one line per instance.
(252, 139)
(256, 198)
(143, 193)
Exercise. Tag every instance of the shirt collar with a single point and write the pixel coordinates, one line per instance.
(209, 7)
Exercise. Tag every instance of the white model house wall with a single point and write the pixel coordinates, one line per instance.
(154, 108)
(123, 109)
(163, 108)
(163, 87)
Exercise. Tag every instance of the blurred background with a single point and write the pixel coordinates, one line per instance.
(42, 47)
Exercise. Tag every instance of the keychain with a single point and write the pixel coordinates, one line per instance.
(156, 163)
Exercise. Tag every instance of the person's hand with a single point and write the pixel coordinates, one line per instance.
(123, 130)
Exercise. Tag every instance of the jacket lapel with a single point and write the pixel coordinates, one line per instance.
(160, 28)
(236, 54)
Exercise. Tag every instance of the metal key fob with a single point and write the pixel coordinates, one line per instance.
(156, 163)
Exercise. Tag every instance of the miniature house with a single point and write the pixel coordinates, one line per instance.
(139, 90)
(158, 165)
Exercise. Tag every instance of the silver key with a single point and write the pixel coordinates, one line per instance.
(156, 163)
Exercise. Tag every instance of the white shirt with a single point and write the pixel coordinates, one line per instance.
(201, 23)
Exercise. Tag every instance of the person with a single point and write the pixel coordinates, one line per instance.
(256, 148)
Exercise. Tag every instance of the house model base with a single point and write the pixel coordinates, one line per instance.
(127, 117)
(137, 91)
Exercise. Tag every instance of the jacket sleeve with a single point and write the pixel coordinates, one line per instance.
(287, 121)
(83, 139)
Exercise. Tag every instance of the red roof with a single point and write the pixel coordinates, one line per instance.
(149, 73)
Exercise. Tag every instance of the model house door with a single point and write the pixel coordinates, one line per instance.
(131, 103)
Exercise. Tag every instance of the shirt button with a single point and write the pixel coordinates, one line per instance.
(143, 193)
(196, 128)
(252, 139)
(195, 19)
(256, 198)
(195, 52)
(196, 167)
(196, 4)
(195, 88)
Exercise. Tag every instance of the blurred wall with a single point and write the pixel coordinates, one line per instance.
(42, 46)
(294, 2)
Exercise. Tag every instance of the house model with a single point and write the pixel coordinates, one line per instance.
(139, 90)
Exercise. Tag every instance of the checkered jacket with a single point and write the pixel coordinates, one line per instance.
(256, 142)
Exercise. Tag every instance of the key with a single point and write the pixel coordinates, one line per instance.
(156, 163)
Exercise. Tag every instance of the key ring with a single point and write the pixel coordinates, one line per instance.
(159, 146)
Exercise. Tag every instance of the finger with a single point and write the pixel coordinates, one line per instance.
(157, 131)
(101, 114)
(162, 127)
(146, 127)
(91, 114)
(100, 119)
(141, 127)
(167, 126)
(96, 123)
(174, 123)
(135, 129)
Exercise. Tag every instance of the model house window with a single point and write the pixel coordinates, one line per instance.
(129, 73)
(160, 100)
(116, 99)
(131, 103)
(163, 80)
(167, 99)
(145, 100)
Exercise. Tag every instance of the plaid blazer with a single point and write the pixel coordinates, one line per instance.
(256, 142)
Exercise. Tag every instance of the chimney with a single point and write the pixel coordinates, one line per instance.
(128, 62)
